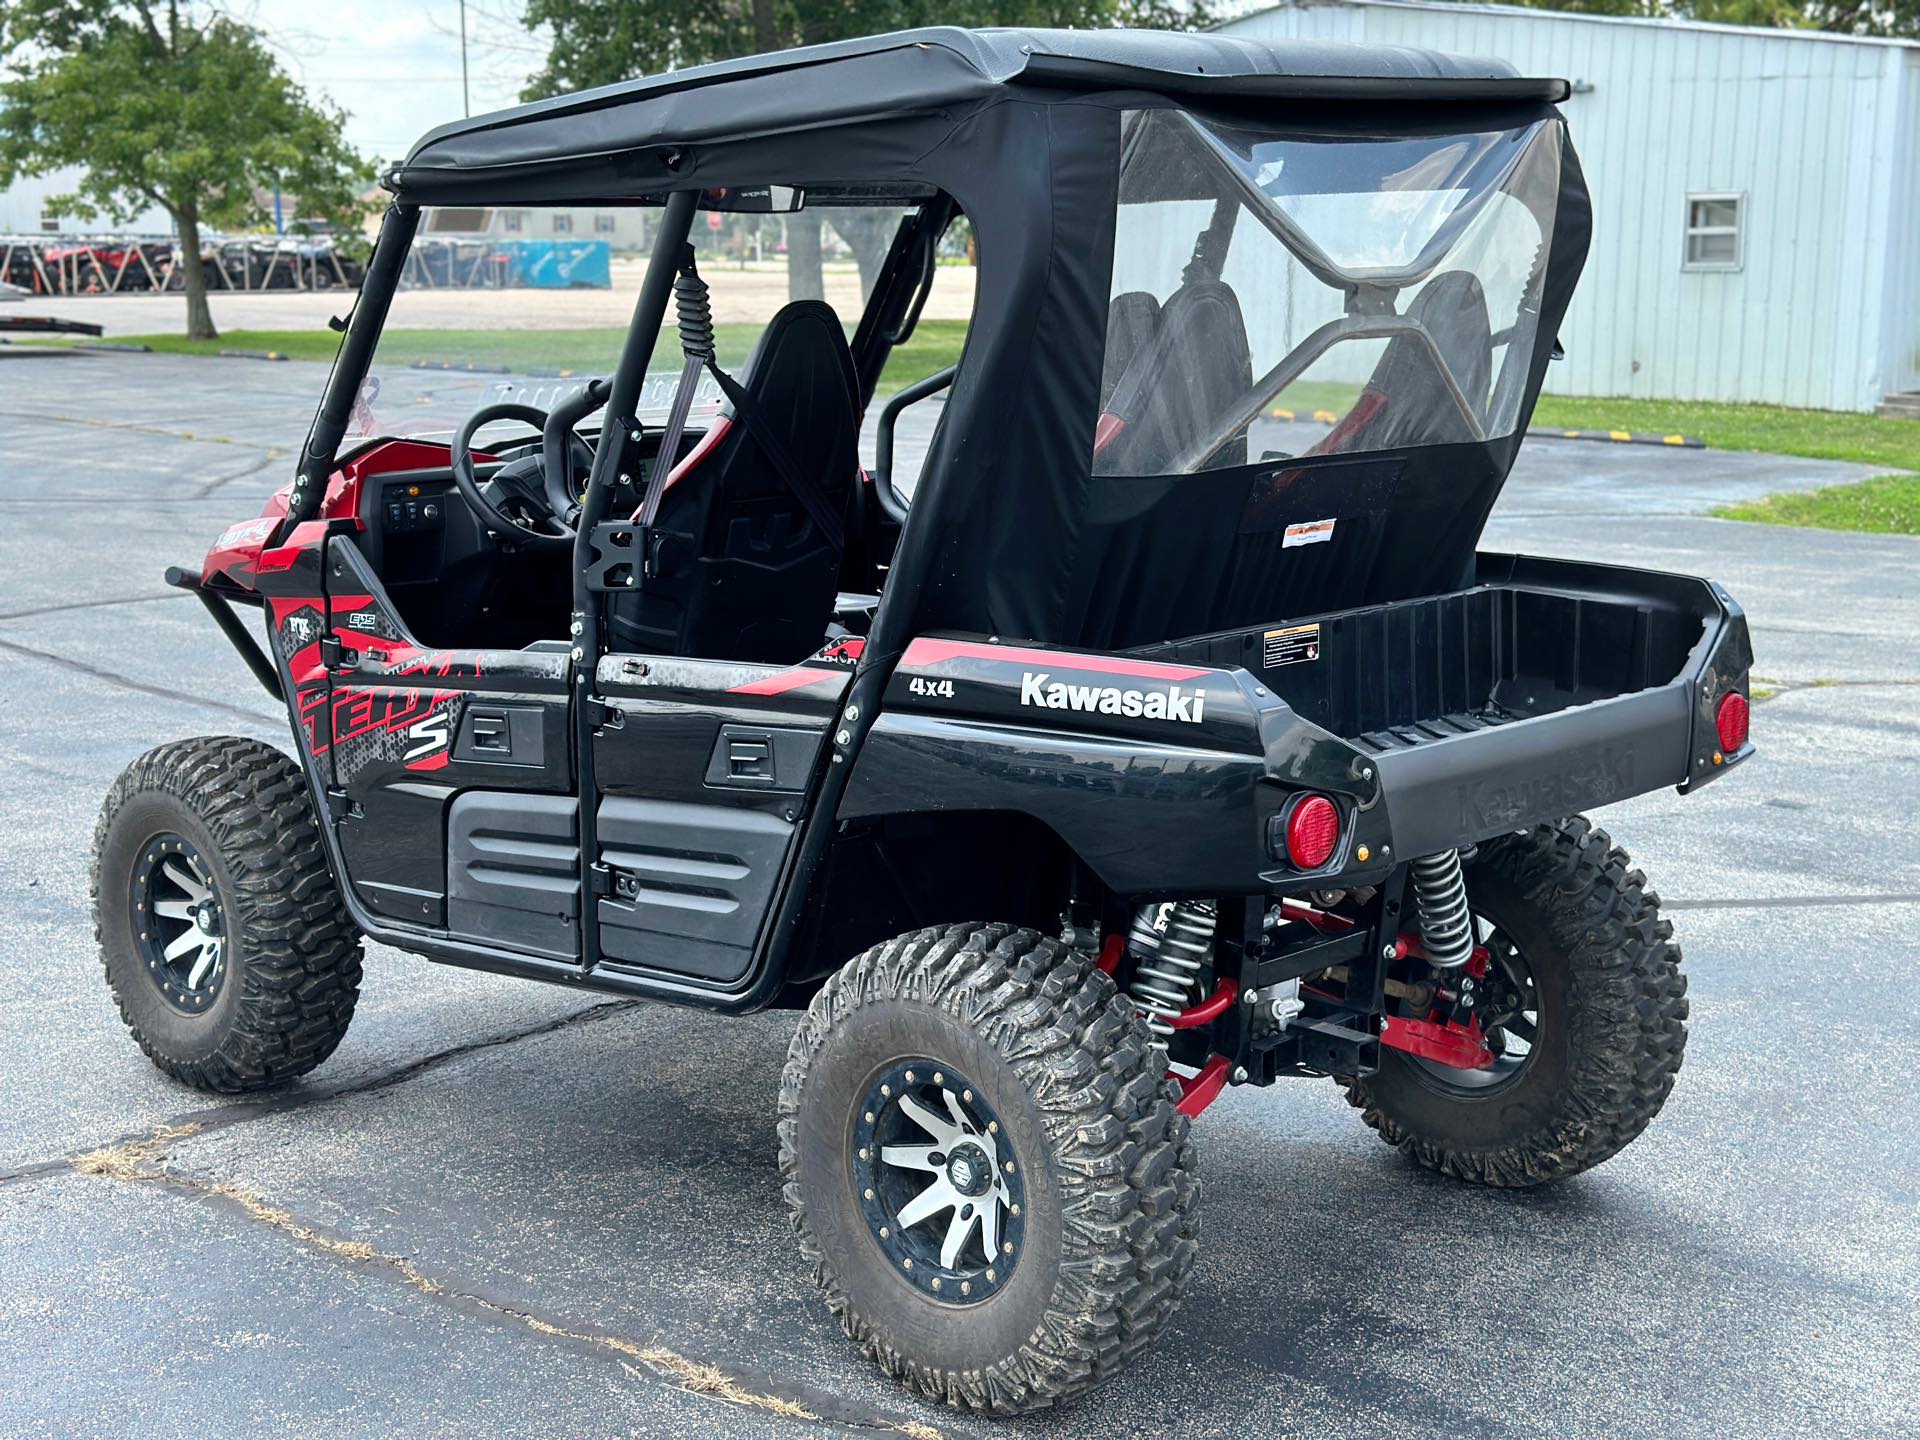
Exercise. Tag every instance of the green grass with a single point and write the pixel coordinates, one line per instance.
(1884, 505)
(1817, 434)
(935, 345)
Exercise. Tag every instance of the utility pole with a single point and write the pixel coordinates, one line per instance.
(466, 102)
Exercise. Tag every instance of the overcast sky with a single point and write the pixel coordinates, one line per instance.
(394, 65)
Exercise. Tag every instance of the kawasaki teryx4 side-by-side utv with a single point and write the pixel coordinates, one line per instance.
(1171, 734)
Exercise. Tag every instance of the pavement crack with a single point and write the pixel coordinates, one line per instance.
(127, 682)
(254, 469)
(94, 604)
(141, 1160)
(244, 1112)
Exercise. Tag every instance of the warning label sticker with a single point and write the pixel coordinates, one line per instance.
(1307, 532)
(1292, 646)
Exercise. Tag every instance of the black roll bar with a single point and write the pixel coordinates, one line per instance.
(350, 365)
(883, 490)
(230, 626)
(617, 430)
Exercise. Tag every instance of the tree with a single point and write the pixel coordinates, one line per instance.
(169, 105)
(1896, 18)
(598, 42)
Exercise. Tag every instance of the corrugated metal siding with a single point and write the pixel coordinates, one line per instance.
(1817, 134)
(1900, 346)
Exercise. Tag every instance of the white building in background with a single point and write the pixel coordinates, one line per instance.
(24, 211)
(1756, 194)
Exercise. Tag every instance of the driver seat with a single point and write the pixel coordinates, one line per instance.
(741, 569)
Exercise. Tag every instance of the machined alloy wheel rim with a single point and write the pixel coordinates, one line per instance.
(179, 925)
(1510, 1021)
(937, 1179)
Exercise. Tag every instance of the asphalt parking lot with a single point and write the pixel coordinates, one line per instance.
(511, 1208)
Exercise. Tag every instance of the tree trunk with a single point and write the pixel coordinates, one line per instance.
(869, 234)
(199, 314)
(804, 280)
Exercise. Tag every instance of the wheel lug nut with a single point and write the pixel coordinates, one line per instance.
(1007, 1247)
(965, 1287)
(936, 1282)
(869, 1192)
(887, 1090)
(938, 1078)
(908, 1262)
(967, 1095)
(910, 1077)
(869, 1117)
(863, 1152)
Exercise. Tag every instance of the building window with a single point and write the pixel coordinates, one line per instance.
(562, 223)
(50, 224)
(513, 221)
(1715, 231)
(603, 224)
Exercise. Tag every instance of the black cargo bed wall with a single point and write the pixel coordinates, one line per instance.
(1494, 652)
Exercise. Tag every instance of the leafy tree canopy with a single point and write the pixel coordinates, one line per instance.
(166, 104)
(596, 42)
(1896, 18)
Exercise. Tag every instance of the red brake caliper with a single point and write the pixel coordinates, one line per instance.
(1439, 1037)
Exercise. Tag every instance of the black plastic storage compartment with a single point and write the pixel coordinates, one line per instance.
(1531, 638)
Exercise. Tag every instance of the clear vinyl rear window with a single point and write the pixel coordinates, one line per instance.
(1282, 294)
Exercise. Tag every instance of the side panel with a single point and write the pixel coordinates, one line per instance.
(513, 870)
(693, 883)
(704, 768)
(407, 729)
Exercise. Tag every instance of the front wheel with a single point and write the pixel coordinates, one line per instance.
(223, 936)
(1589, 1028)
(985, 1168)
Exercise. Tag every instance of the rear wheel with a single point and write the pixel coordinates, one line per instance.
(1585, 1020)
(985, 1167)
(222, 933)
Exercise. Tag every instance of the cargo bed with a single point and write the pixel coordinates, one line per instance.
(1545, 688)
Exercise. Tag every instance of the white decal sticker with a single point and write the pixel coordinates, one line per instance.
(428, 735)
(1308, 532)
(1038, 689)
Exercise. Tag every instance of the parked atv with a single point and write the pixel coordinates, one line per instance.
(1173, 735)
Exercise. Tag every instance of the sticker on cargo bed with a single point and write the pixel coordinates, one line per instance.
(1293, 646)
(1307, 532)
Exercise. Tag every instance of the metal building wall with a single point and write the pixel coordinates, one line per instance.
(1819, 134)
(1900, 342)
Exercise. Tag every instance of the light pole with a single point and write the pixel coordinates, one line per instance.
(466, 103)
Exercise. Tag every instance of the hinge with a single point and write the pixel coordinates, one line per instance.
(332, 652)
(339, 804)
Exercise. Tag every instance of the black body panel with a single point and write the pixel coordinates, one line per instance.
(691, 885)
(513, 870)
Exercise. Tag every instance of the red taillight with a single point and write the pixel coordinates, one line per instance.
(1313, 829)
(1731, 721)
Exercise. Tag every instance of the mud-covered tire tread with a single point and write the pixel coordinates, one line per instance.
(297, 952)
(1628, 1015)
(1130, 1197)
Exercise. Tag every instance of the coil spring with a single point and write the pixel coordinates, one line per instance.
(1446, 924)
(694, 308)
(1170, 944)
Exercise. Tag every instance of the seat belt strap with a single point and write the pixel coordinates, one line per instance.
(804, 487)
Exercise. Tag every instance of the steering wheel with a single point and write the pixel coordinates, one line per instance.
(531, 506)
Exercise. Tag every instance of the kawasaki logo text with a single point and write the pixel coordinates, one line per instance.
(1038, 688)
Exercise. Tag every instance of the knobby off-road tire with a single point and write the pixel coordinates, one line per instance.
(1612, 1019)
(283, 991)
(1110, 1221)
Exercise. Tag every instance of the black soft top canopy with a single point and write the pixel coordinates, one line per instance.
(908, 78)
(1027, 522)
